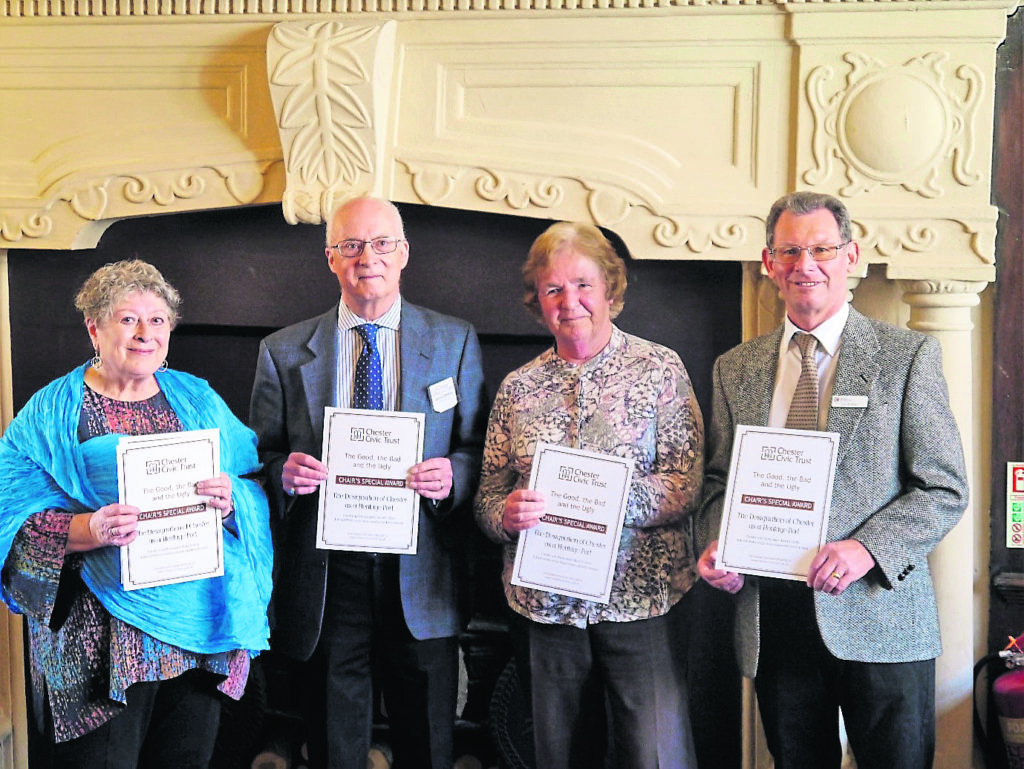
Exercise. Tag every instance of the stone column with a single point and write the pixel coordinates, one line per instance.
(943, 308)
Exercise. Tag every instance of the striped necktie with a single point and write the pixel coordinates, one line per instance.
(803, 411)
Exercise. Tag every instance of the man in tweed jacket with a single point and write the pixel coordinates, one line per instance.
(862, 633)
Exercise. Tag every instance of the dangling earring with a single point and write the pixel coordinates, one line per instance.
(162, 367)
(96, 361)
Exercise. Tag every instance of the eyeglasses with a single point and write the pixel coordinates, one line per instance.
(354, 247)
(819, 253)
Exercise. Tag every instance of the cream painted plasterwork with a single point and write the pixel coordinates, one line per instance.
(104, 122)
(483, 124)
(667, 123)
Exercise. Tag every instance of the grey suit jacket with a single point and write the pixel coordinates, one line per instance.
(900, 484)
(296, 377)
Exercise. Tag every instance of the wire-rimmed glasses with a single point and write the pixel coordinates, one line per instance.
(351, 247)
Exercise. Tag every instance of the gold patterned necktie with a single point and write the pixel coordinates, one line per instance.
(803, 411)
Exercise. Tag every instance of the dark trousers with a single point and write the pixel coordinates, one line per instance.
(632, 671)
(168, 724)
(888, 708)
(364, 640)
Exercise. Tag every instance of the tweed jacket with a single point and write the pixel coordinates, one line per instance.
(296, 377)
(900, 484)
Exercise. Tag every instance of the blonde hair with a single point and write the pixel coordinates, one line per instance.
(586, 240)
(112, 282)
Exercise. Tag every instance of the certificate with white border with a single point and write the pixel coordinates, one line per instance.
(179, 534)
(573, 549)
(775, 512)
(364, 503)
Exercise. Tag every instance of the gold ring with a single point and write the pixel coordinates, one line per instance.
(836, 576)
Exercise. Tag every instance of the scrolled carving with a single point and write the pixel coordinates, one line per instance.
(90, 200)
(95, 199)
(432, 184)
(609, 206)
(244, 183)
(35, 225)
(299, 206)
(673, 232)
(894, 125)
(519, 192)
(890, 238)
(890, 241)
(163, 192)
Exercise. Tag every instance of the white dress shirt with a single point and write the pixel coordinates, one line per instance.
(352, 345)
(829, 335)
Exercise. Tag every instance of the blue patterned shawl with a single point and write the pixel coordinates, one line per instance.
(43, 465)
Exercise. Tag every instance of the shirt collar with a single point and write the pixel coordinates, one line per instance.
(828, 333)
(614, 344)
(391, 319)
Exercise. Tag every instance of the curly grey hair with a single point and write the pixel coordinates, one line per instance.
(112, 282)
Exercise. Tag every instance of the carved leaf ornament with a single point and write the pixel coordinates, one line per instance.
(322, 111)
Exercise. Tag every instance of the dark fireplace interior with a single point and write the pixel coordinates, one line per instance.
(245, 272)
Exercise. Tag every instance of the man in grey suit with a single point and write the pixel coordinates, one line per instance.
(862, 633)
(356, 618)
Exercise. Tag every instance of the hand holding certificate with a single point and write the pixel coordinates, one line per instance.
(775, 514)
(364, 503)
(179, 532)
(573, 550)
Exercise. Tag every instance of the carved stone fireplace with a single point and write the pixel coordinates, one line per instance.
(672, 123)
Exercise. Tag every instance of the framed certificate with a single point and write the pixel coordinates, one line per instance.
(775, 514)
(573, 549)
(179, 534)
(364, 503)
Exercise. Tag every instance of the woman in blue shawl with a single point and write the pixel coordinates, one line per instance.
(130, 678)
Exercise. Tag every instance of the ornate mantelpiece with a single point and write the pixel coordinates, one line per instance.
(673, 123)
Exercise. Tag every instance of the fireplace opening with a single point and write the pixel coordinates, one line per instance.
(245, 272)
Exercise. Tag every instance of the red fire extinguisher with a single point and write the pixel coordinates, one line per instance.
(1008, 698)
(1008, 694)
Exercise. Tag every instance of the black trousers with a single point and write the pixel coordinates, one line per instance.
(168, 724)
(365, 641)
(626, 680)
(888, 708)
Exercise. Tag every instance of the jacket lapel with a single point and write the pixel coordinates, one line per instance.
(856, 372)
(320, 373)
(754, 390)
(415, 347)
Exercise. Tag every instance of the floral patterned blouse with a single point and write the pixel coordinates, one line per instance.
(83, 659)
(632, 400)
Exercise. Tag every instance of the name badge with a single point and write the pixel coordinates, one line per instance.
(849, 401)
(443, 395)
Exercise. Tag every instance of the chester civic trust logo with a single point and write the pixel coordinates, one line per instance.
(564, 473)
(370, 435)
(782, 454)
(169, 465)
